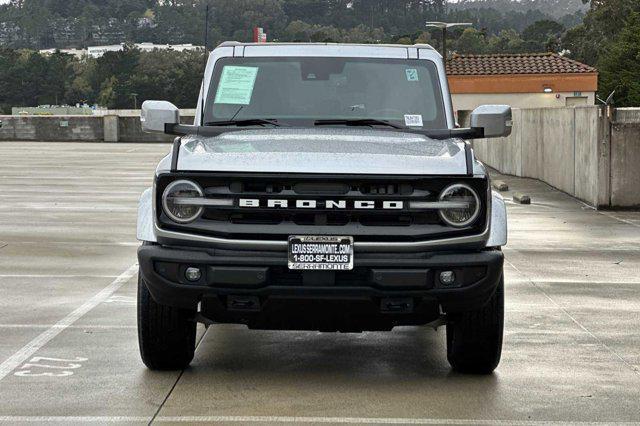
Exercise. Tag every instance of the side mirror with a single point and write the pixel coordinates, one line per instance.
(155, 115)
(494, 120)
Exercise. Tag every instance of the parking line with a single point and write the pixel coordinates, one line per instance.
(15, 360)
(79, 327)
(54, 276)
(298, 420)
(72, 419)
(373, 421)
(84, 243)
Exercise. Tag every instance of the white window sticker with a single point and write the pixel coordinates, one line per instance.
(413, 120)
(236, 85)
(412, 74)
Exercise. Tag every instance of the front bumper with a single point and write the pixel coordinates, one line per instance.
(240, 286)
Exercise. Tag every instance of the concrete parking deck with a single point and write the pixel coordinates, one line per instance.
(68, 344)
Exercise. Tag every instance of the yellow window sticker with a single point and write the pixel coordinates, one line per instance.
(236, 85)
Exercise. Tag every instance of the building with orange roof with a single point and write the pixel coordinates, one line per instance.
(521, 80)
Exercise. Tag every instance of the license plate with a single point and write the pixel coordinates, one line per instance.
(321, 253)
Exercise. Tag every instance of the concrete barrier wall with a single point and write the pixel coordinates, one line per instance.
(51, 128)
(108, 128)
(136, 112)
(576, 149)
(555, 145)
(625, 159)
(129, 130)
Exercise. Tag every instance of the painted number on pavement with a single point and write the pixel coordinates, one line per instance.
(41, 366)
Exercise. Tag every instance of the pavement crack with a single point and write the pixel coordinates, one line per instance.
(166, 398)
(575, 321)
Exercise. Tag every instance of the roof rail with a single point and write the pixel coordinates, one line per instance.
(418, 45)
(423, 46)
(229, 43)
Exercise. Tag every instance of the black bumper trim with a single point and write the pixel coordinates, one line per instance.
(185, 295)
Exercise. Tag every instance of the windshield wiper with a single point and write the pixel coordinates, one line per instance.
(247, 122)
(357, 122)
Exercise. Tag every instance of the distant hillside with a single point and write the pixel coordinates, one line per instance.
(39, 24)
(518, 13)
(556, 8)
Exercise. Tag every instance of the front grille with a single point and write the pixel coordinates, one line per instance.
(335, 209)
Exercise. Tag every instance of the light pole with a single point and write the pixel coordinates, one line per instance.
(444, 26)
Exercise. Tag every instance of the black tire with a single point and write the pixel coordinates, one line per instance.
(474, 338)
(166, 335)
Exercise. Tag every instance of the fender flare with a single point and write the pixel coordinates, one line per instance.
(144, 230)
(498, 234)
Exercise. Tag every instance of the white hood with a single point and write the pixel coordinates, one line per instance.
(323, 150)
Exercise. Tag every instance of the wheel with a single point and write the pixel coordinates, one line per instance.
(166, 335)
(474, 338)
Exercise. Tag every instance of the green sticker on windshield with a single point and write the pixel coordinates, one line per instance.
(412, 74)
(236, 85)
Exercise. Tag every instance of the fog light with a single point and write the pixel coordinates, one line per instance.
(447, 277)
(193, 274)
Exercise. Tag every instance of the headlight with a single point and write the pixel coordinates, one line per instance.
(465, 205)
(175, 201)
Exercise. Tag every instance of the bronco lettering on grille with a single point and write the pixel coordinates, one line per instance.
(320, 204)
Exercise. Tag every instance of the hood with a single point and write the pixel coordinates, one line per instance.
(323, 150)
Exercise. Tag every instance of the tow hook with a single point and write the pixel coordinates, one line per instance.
(398, 306)
(243, 303)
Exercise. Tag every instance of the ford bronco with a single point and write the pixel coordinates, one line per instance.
(322, 187)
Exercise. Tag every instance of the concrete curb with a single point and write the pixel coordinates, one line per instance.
(500, 185)
(521, 198)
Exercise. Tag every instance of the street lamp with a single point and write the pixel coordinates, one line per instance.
(444, 26)
(135, 100)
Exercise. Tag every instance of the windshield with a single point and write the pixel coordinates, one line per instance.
(301, 91)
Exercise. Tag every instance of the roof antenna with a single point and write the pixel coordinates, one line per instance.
(206, 58)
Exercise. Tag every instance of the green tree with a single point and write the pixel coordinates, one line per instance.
(620, 65)
(80, 89)
(112, 77)
(10, 80)
(57, 80)
(175, 76)
(541, 31)
(108, 95)
(471, 41)
(601, 25)
(508, 41)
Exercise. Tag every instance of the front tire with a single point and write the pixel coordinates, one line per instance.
(474, 338)
(166, 335)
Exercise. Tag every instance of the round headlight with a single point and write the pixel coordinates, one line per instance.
(465, 205)
(175, 201)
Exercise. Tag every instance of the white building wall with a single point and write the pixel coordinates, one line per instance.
(469, 101)
(98, 51)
